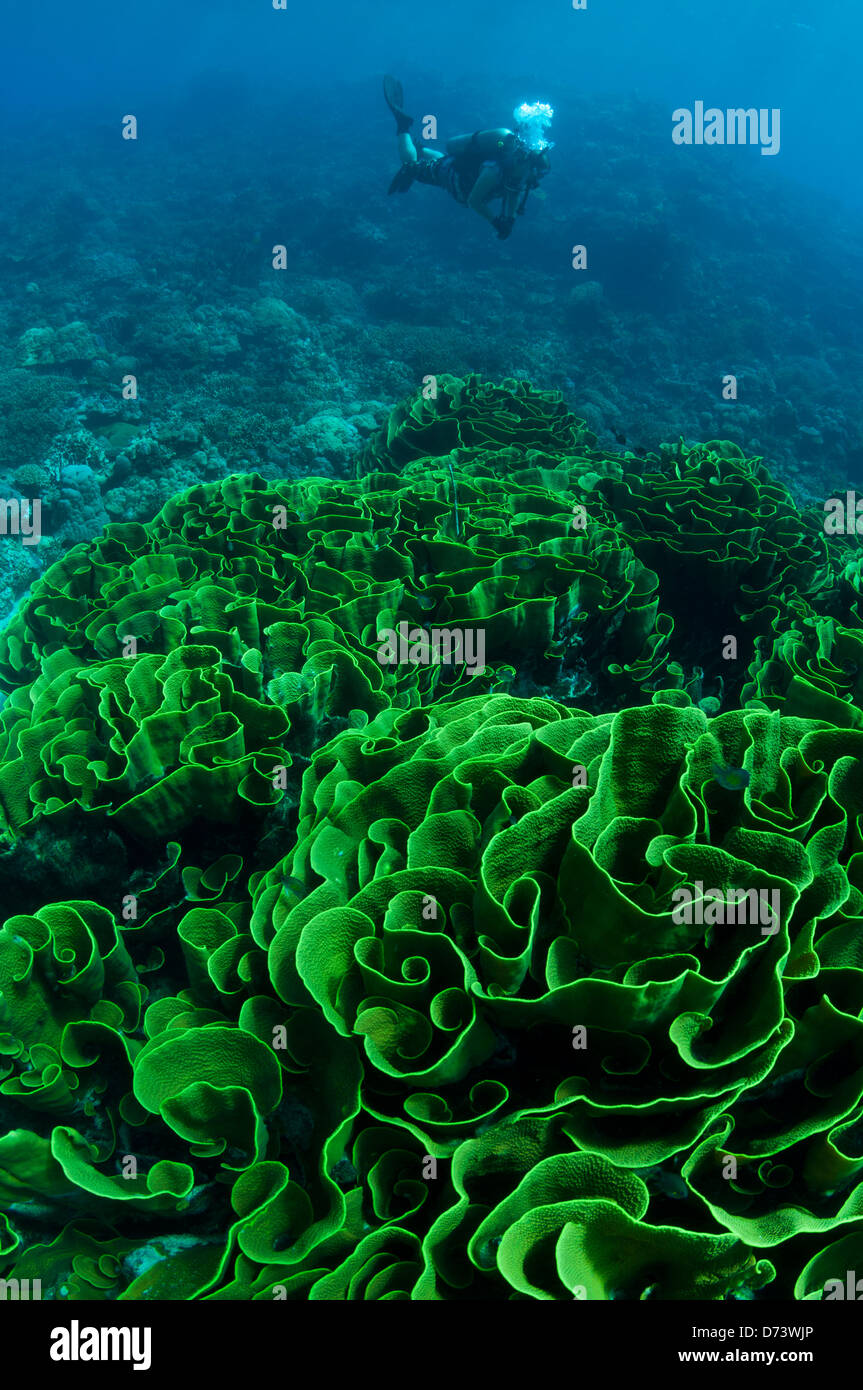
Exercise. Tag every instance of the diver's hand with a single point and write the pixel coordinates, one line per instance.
(504, 227)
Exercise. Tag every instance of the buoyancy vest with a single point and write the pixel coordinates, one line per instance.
(470, 152)
(483, 144)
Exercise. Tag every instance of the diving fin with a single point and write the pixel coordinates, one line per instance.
(394, 97)
(403, 179)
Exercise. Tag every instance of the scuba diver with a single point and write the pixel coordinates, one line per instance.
(480, 168)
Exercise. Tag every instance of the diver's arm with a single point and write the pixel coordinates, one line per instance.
(482, 193)
(511, 200)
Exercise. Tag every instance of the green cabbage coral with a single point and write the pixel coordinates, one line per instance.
(253, 630)
(152, 741)
(489, 883)
(476, 882)
(293, 585)
(537, 977)
(451, 413)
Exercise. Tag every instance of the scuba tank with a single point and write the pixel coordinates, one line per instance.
(483, 144)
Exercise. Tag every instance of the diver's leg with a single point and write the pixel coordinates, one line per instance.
(394, 97)
(428, 167)
(407, 149)
(423, 167)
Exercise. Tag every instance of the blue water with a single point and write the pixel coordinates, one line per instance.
(259, 127)
(801, 57)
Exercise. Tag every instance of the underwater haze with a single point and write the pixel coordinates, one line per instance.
(431, 656)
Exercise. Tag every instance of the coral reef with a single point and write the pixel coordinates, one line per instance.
(345, 977)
